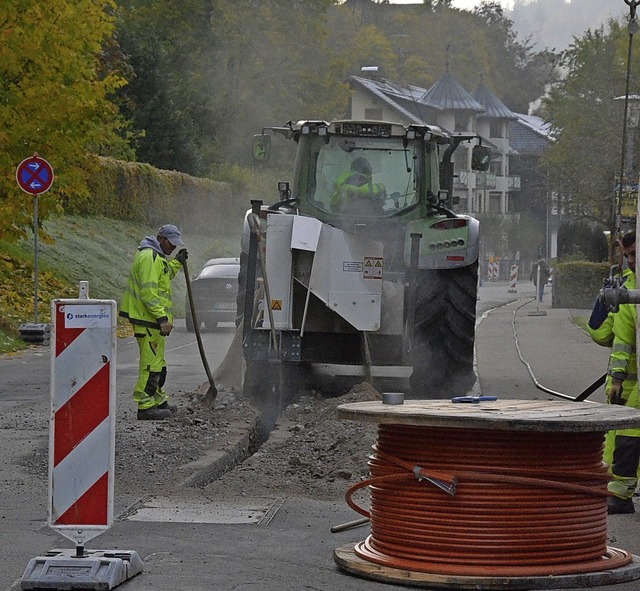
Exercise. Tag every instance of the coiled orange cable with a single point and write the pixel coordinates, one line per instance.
(476, 502)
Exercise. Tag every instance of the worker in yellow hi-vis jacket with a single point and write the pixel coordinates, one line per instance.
(147, 304)
(355, 192)
(622, 448)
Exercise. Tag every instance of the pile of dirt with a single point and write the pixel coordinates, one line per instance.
(310, 452)
(167, 453)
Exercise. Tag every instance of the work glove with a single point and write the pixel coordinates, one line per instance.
(598, 314)
(165, 328)
(614, 393)
(182, 255)
(600, 310)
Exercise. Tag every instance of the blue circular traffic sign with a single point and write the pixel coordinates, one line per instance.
(34, 175)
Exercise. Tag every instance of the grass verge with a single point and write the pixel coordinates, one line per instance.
(98, 250)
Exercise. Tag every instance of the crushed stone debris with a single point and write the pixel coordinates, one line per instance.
(310, 452)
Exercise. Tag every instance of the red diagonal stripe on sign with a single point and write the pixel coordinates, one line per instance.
(81, 414)
(90, 508)
(64, 336)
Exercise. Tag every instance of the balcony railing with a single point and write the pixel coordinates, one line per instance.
(485, 180)
(461, 178)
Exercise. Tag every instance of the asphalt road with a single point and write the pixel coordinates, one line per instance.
(24, 412)
(292, 549)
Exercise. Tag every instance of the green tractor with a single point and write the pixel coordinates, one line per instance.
(361, 271)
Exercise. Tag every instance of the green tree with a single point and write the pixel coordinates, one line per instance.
(55, 89)
(208, 74)
(582, 241)
(422, 39)
(587, 121)
(512, 65)
(211, 73)
(171, 93)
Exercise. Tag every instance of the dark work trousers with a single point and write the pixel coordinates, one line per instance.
(626, 456)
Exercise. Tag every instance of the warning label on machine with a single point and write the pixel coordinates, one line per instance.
(352, 266)
(373, 267)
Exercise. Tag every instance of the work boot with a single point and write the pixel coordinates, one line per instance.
(155, 413)
(617, 505)
(172, 407)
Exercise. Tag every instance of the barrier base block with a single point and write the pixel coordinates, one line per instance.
(95, 569)
(36, 334)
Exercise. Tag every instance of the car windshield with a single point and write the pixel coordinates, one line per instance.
(220, 271)
(364, 177)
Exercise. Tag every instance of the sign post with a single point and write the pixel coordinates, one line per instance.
(35, 176)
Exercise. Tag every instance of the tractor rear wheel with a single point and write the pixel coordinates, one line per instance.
(442, 346)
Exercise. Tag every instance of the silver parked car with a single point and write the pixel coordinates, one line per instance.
(214, 293)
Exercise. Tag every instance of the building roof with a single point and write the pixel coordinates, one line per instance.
(394, 95)
(529, 135)
(493, 106)
(536, 124)
(448, 94)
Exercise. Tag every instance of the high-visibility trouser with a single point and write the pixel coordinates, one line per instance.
(152, 371)
(624, 469)
(630, 390)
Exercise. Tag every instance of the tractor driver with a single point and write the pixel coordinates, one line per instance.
(355, 192)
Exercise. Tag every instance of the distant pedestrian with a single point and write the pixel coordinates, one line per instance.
(147, 304)
(544, 277)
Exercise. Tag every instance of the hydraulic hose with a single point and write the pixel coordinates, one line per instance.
(582, 397)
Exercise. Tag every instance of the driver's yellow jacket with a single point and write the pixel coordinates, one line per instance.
(352, 184)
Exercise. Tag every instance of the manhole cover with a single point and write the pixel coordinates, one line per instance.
(256, 510)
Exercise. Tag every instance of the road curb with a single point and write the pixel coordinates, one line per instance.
(241, 442)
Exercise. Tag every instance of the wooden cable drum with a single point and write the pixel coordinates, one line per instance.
(503, 489)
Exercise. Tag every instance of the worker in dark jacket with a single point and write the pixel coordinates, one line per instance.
(147, 304)
(544, 277)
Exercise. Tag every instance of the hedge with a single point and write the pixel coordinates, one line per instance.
(577, 283)
(138, 192)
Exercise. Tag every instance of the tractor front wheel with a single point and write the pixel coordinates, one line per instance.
(444, 333)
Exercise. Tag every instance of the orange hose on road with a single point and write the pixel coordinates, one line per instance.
(477, 502)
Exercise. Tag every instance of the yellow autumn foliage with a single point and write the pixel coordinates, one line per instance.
(17, 295)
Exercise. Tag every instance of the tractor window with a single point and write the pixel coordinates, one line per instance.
(364, 177)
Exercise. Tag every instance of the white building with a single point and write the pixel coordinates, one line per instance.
(448, 105)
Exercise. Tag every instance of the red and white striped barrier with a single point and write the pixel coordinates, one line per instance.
(82, 422)
(493, 271)
(513, 280)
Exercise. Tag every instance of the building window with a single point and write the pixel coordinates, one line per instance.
(462, 120)
(496, 128)
(374, 114)
(494, 202)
